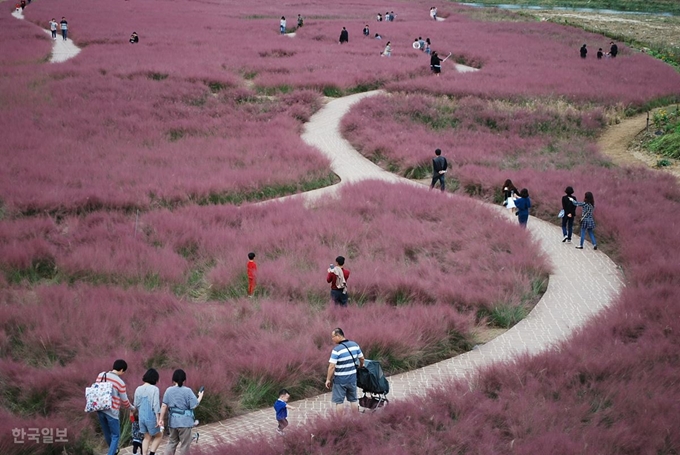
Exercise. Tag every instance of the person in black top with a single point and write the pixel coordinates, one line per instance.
(599, 54)
(569, 214)
(134, 38)
(439, 166)
(367, 31)
(435, 63)
(584, 51)
(344, 36)
(613, 50)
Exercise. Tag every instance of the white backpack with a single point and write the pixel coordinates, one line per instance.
(99, 396)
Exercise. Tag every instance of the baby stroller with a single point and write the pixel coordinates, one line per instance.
(373, 382)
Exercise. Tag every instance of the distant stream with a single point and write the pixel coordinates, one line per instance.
(563, 8)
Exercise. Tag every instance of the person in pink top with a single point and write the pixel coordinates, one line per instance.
(110, 419)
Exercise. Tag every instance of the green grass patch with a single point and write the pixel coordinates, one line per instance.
(255, 393)
(644, 6)
(504, 316)
(332, 91)
(668, 144)
(157, 76)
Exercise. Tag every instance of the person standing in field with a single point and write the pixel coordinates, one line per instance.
(435, 63)
(367, 31)
(587, 220)
(613, 50)
(110, 419)
(342, 370)
(53, 28)
(599, 54)
(252, 273)
(337, 277)
(344, 36)
(439, 166)
(388, 50)
(300, 21)
(64, 28)
(282, 25)
(523, 204)
(584, 51)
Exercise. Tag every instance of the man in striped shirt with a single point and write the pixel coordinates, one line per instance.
(342, 371)
(110, 419)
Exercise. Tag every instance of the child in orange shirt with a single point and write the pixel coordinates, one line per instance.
(252, 273)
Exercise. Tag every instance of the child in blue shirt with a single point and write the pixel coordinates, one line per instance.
(281, 407)
(137, 436)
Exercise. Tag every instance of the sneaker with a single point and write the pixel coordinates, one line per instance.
(195, 437)
(568, 240)
(579, 247)
(564, 239)
(594, 247)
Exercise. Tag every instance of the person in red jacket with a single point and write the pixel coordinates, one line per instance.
(252, 273)
(337, 277)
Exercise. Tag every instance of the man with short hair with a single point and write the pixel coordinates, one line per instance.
(64, 28)
(110, 419)
(342, 370)
(613, 50)
(337, 277)
(439, 166)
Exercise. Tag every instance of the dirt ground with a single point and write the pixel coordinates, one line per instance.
(642, 28)
(621, 143)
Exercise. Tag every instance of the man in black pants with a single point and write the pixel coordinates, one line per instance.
(613, 50)
(439, 166)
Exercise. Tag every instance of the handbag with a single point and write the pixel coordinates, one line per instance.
(361, 371)
(99, 396)
(561, 214)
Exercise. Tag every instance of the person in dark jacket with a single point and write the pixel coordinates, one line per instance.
(569, 214)
(439, 166)
(584, 51)
(613, 50)
(523, 204)
(344, 36)
(435, 63)
(134, 38)
(599, 54)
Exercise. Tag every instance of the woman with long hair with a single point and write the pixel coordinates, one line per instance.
(587, 220)
(510, 192)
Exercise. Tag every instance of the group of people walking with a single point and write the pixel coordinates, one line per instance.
(62, 25)
(519, 203)
(149, 416)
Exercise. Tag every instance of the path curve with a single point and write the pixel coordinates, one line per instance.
(568, 303)
(61, 50)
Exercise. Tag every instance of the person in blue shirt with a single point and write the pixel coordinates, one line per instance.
(523, 204)
(281, 407)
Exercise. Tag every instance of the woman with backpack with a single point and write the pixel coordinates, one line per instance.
(148, 403)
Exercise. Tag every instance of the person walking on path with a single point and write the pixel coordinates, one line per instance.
(337, 277)
(584, 51)
(148, 403)
(587, 220)
(281, 407)
(251, 269)
(64, 28)
(344, 36)
(510, 193)
(439, 166)
(282, 25)
(53, 28)
(569, 214)
(342, 370)
(179, 401)
(523, 204)
(110, 419)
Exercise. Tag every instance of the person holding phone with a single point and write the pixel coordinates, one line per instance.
(179, 402)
